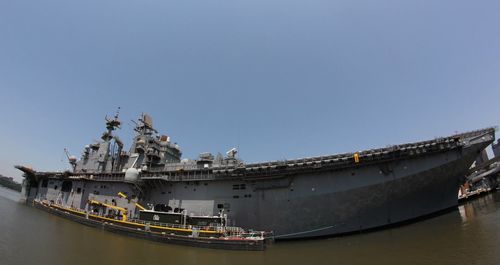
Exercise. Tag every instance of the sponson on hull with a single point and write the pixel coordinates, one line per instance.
(299, 198)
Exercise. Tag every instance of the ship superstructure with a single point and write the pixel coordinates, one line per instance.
(299, 198)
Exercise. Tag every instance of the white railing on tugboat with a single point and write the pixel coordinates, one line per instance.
(232, 230)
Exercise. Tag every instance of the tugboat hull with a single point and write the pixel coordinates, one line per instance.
(141, 232)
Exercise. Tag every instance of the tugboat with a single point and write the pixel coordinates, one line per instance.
(220, 201)
(177, 228)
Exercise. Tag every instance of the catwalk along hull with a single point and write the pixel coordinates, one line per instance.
(303, 198)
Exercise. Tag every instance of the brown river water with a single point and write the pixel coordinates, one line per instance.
(468, 235)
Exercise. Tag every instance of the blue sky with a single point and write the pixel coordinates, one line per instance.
(278, 79)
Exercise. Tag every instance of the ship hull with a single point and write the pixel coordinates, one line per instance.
(298, 204)
(318, 205)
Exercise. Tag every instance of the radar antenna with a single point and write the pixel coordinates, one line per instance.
(112, 124)
(232, 153)
(145, 125)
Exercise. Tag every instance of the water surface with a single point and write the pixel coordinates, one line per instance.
(468, 235)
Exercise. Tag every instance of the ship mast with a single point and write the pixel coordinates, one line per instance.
(111, 125)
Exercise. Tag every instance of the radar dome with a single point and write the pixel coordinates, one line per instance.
(132, 175)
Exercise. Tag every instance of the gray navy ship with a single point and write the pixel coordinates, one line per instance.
(293, 199)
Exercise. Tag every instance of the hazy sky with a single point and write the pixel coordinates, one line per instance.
(278, 79)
